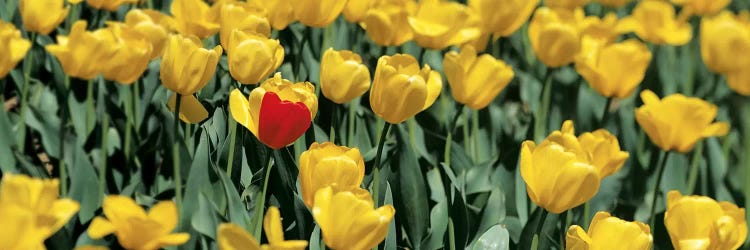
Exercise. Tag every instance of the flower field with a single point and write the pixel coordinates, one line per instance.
(374, 124)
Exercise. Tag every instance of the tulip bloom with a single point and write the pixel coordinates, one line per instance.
(617, 69)
(439, 24)
(702, 7)
(233, 237)
(42, 16)
(555, 35)
(153, 26)
(401, 89)
(132, 56)
(317, 13)
(387, 24)
(13, 48)
(280, 12)
(355, 10)
(602, 148)
(134, 228)
(31, 211)
(613, 3)
(109, 5)
(503, 17)
(598, 32)
(343, 77)
(655, 21)
(244, 16)
(252, 57)
(325, 165)
(566, 4)
(723, 38)
(678, 122)
(193, 18)
(699, 222)
(277, 112)
(475, 80)
(609, 232)
(79, 52)
(350, 222)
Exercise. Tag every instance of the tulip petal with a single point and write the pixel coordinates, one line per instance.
(164, 212)
(577, 239)
(191, 110)
(272, 226)
(716, 129)
(233, 237)
(174, 239)
(281, 122)
(100, 227)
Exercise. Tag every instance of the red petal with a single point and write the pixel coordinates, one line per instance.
(281, 122)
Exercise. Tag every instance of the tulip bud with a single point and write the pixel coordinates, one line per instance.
(362, 228)
(702, 7)
(699, 222)
(475, 80)
(42, 16)
(186, 66)
(609, 232)
(280, 12)
(325, 165)
(193, 17)
(317, 13)
(439, 24)
(502, 17)
(401, 89)
(343, 77)
(109, 5)
(252, 57)
(677, 122)
(613, 3)
(555, 36)
(13, 48)
(132, 56)
(387, 24)
(566, 4)
(655, 21)
(243, 16)
(615, 70)
(78, 51)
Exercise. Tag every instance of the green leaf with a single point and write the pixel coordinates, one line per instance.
(84, 182)
(495, 238)
(413, 206)
(205, 219)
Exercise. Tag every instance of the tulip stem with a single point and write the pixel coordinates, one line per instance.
(63, 116)
(21, 136)
(538, 233)
(90, 109)
(103, 134)
(332, 133)
(659, 175)
(129, 126)
(176, 153)
(232, 141)
(261, 203)
(605, 113)
(475, 136)
(376, 168)
(540, 123)
(352, 122)
(694, 165)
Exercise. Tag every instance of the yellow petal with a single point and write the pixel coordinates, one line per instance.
(233, 237)
(191, 110)
(100, 227)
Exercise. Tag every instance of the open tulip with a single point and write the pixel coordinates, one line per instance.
(566, 4)
(677, 122)
(401, 89)
(723, 38)
(355, 10)
(152, 25)
(252, 57)
(280, 12)
(79, 52)
(702, 7)
(31, 211)
(277, 112)
(387, 24)
(615, 70)
(602, 148)
(343, 77)
(475, 80)
(243, 16)
(13, 48)
(109, 5)
(234, 237)
(609, 232)
(699, 222)
(134, 228)
(132, 56)
(739, 81)
(613, 3)
(555, 35)
(325, 165)
(655, 22)
(503, 17)
(350, 222)
(317, 13)
(598, 32)
(193, 18)
(42, 16)
(439, 24)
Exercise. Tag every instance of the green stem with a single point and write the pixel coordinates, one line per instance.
(376, 168)
(540, 123)
(129, 123)
(21, 136)
(451, 235)
(475, 136)
(176, 153)
(90, 109)
(352, 115)
(103, 146)
(136, 103)
(232, 141)
(72, 17)
(261, 203)
(332, 133)
(188, 138)
(538, 233)
(586, 214)
(694, 165)
(660, 173)
(605, 113)
(63, 117)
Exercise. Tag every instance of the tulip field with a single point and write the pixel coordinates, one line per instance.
(374, 124)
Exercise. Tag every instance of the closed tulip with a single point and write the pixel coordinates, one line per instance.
(617, 69)
(193, 17)
(699, 222)
(317, 13)
(566, 4)
(277, 112)
(153, 26)
(677, 122)
(109, 5)
(723, 38)
(702, 7)
(609, 232)
(604, 150)
(280, 12)
(31, 211)
(503, 17)
(355, 10)
(79, 52)
(475, 80)
(42, 16)
(387, 24)
(325, 165)
(439, 24)
(252, 57)
(350, 222)
(401, 89)
(739, 81)
(243, 16)
(655, 22)
(343, 77)
(136, 229)
(555, 35)
(132, 56)
(13, 48)
(234, 237)
(614, 3)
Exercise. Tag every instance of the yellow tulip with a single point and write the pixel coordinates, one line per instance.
(13, 48)
(152, 25)
(739, 81)
(566, 4)
(350, 222)
(79, 52)
(317, 13)
(134, 228)
(604, 150)
(132, 56)
(502, 17)
(243, 16)
(401, 89)
(702, 7)
(280, 12)
(355, 10)
(109, 5)
(92, 248)
(31, 211)
(655, 22)
(723, 38)
(343, 77)
(325, 165)
(555, 35)
(252, 57)
(42, 16)
(678, 122)
(233, 237)
(613, 3)
(387, 24)
(475, 80)
(193, 17)
(611, 233)
(439, 24)
(699, 222)
(617, 69)
(598, 32)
